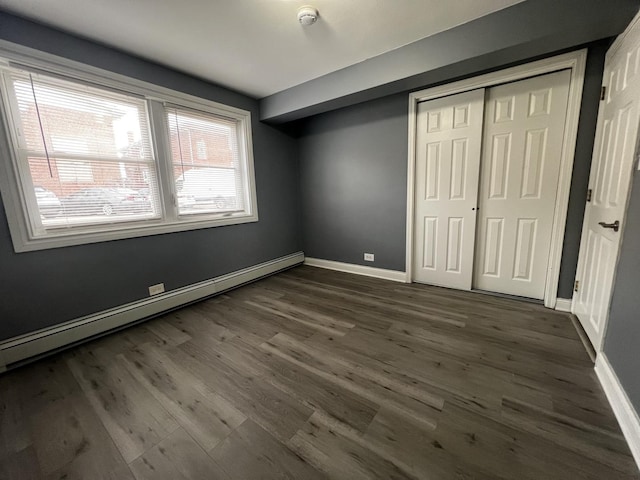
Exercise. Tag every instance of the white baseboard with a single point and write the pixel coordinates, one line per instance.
(564, 304)
(394, 275)
(622, 408)
(42, 341)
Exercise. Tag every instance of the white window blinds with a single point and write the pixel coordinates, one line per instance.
(206, 162)
(95, 156)
(86, 150)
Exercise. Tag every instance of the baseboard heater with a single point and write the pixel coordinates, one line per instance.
(18, 350)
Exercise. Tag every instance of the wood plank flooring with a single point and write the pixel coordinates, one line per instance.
(314, 374)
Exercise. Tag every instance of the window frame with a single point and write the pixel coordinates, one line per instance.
(18, 203)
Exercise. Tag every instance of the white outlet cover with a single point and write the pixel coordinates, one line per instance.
(156, 289)
(369, 257)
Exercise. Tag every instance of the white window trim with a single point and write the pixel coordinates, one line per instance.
(11, 188)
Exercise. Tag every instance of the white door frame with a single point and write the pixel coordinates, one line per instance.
(575, 61)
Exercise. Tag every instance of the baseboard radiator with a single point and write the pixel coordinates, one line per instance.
(18, 350)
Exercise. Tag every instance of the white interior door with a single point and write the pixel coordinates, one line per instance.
(448, 148)
(523, 136)
(609, 181)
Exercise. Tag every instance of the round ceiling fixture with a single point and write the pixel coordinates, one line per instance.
(307, 15)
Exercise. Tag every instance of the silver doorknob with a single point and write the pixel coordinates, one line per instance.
(615, 226)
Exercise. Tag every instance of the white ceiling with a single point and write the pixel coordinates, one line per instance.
(254, 46)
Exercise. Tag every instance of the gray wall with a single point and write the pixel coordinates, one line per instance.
(39, 289)
(353, 180)
(622, 342)
(353, 171)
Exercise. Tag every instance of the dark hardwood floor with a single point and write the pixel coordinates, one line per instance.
(314, 374)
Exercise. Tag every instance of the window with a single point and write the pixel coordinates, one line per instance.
(99, 159)
(74, 172)
(88, 148)
(212, 183)
(202, 150)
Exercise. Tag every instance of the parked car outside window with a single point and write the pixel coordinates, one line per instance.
(105, 201)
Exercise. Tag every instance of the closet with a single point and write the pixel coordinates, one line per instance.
(486, 179)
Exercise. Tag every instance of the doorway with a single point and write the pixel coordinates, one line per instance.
(497, 169)
(486, 181)
(609, 181)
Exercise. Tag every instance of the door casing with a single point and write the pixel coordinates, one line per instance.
(575, 61)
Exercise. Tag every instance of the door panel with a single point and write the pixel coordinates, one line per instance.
(609, 180)
(454, 248)
(493, 246)
(458, 185)
(523, 138)
(429, 243)
(525, 244)
(499, 170)
(533, 163)
(447, 169)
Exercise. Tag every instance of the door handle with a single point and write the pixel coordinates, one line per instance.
(615, 225)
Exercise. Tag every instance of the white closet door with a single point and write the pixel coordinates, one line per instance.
(447, 168)
(523, 136)
(611, 172)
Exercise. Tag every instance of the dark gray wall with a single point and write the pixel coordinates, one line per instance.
(353, 171)
(622, 342)
(43, 288)
(527, 29)
(353, 180)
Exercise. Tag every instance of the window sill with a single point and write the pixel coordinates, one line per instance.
(24, 243)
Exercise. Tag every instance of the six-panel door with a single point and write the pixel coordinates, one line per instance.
(523, 138)
(447, 164)
(499, 150)
(609, 181)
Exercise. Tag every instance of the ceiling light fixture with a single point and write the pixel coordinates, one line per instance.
(307, 15)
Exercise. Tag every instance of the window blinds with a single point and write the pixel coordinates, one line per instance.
(206, 162)
(87, 150)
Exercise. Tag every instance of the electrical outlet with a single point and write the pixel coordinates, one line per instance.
(369, 257)
(156, 289)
